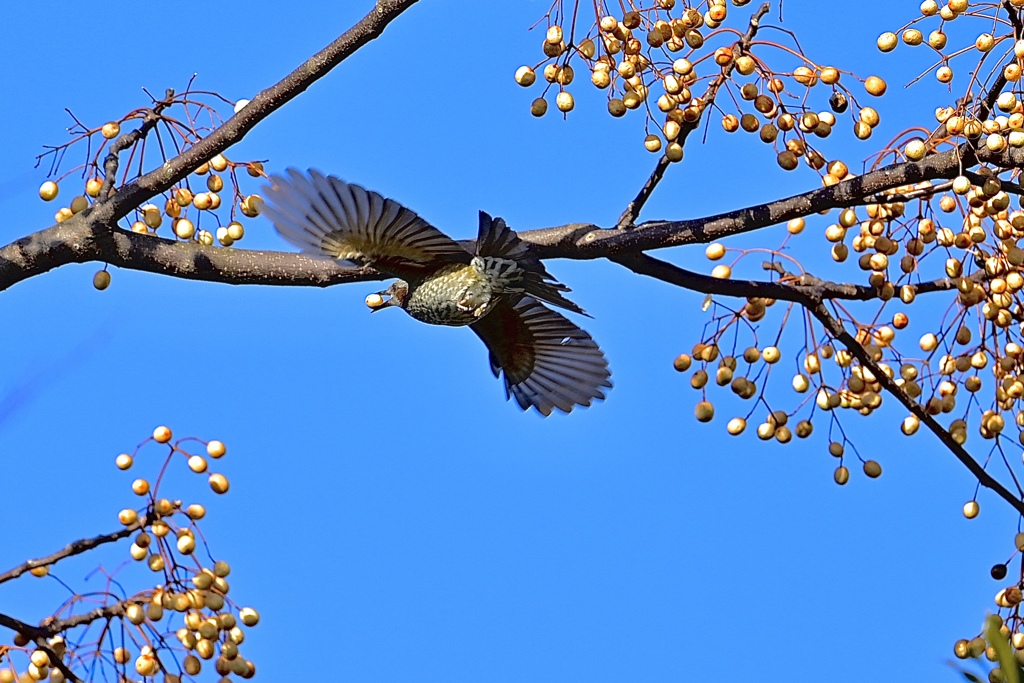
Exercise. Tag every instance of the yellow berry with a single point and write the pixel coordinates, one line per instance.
(162, 434)
(48, 191)
(216, 449)
(249, 616)
(525, 76)
(219, 483)
(111, 130)
(564, 101)
(101, 280)
(128, 516)
(123, 461)
(875, 86)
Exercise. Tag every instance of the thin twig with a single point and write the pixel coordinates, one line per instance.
(632, 211)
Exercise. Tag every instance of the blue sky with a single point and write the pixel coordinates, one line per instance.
(390, 515)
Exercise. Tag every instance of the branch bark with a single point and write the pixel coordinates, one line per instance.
(78, 547)
(78, 240)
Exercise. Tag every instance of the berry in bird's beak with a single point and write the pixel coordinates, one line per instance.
(376, 301)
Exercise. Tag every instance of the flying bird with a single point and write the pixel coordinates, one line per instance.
(497, 290)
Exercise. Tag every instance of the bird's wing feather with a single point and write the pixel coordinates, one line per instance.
(329, 217)
(496, 242)
(547, 361)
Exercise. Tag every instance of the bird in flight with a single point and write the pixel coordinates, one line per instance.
(497, 290)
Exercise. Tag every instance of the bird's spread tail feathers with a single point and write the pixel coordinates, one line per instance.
(497, 244)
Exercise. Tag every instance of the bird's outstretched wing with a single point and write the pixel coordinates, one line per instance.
(326, 216)
(548, 362)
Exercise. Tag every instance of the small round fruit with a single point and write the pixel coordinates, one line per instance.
(682, 362)
(705, 411)
(249, 616)
(841, 475)
(887, 42)
(564, 101)
(771, 354)
(48, 191)
(998, 572)
(216, 449)
(123, 461)
(525, 76)
(219, 163)
(872, 469)
(140, 487)
(715, 251)
(184, 228)
(101, 280)
(162, 434)
(219, 483)
(196, 511)
(736, 426)
(111, 130)
(128, 516)
(186, 544)
(875, 86)
(971, 509)
(539, 107)
(197, 464)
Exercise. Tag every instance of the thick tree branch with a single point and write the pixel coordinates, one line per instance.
(75, 240)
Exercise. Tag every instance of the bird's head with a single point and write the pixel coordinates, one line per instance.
(395, 295)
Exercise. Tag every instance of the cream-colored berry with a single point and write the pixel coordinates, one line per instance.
(111, 130)
(219, 483)
(48, 191)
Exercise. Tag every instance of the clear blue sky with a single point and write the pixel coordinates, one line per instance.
(390, 515)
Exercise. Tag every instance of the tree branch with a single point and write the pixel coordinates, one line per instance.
(836, 329)
(80, 546)
(76, 241)
(132, 195)
(52, 626)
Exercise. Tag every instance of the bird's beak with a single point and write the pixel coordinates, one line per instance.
(376, 302)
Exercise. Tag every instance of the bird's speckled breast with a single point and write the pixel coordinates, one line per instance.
(456, 295)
